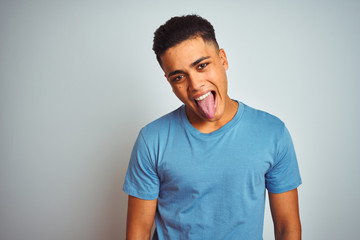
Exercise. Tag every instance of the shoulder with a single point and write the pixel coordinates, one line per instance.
(161, 125)
(262, 119)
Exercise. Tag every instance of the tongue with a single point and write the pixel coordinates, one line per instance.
(207, 106)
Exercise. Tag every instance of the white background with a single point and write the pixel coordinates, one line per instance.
(79, 80)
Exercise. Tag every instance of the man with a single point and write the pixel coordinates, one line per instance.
(201, 171)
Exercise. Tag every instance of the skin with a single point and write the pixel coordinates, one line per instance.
(140, 218)
(285, 213)
(193, 68)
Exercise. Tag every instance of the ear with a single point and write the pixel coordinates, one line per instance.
(223, 59)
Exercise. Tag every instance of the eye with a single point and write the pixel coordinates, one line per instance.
(201, 66)
(177, 78)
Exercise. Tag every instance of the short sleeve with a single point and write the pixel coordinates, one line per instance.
(284, 175)
(141, 179)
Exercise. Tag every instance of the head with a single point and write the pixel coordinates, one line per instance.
(179, 29)
(195, 67)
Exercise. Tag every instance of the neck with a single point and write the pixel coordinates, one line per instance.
(210, 126)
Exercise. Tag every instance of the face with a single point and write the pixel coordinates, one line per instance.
(196, 69)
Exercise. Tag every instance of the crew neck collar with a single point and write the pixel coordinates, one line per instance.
(217, 132)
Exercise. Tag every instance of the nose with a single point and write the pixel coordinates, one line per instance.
(195, 82)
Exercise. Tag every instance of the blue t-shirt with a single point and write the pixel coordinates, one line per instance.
(212, 186)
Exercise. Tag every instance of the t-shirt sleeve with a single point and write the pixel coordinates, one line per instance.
(284, 175)
(141, 179)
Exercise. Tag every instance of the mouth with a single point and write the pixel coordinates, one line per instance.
(203, 96)
(206, 103)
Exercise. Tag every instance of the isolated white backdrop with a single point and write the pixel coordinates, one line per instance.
(79, 80)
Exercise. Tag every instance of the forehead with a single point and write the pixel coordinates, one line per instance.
(186, 52)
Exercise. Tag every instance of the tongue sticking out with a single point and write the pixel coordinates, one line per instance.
(207, 106)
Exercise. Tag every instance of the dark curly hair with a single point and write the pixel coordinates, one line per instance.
(178, 29)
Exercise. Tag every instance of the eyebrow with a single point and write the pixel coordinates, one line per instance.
(191, 65)
(199, 61)
(175, 72)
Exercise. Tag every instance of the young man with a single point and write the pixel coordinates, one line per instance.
(201, 171)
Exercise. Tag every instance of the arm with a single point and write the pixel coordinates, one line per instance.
(285, 213)
(140, 218)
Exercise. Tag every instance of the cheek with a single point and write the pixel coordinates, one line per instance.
(181, 93)
(180, 88)
(212, 75)
(220, 78)
(177, 89)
